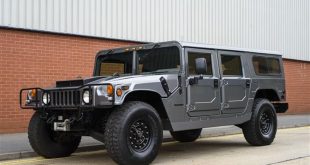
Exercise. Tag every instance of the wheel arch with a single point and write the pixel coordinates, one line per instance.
(269, 94)
(151, 97)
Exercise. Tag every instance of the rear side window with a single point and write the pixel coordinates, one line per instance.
(231, 65)
(266, 65)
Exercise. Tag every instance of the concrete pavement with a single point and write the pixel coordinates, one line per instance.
(14, 146)
(291, 146)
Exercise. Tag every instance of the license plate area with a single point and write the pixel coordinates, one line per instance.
(62, 126)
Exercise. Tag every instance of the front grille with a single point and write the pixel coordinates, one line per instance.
(65, 98)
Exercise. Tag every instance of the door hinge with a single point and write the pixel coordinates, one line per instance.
(224, 105)
(190, 107)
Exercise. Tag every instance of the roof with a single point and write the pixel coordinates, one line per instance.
(190, 45)
(221, 47)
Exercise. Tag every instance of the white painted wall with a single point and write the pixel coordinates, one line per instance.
(279, 25)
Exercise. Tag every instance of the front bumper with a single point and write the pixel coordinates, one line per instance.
(65, 98)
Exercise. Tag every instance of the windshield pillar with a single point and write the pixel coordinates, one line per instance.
(134, 62)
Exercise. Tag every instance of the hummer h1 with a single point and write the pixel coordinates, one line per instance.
(137, 92)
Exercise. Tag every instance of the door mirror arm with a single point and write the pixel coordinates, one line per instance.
(193, 80)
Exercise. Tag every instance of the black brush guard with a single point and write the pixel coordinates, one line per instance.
(61, 98)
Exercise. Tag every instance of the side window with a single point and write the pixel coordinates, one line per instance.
(231, 65)
(273, 65)
(192, 65)
(265, 66)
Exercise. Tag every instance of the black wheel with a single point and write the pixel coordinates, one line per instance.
(261, 129)
(48, 143)
(186, 136)
(133, 133)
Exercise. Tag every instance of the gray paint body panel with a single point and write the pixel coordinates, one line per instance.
(202, 105)
(229, 104)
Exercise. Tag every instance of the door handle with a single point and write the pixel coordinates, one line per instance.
(216, 83)
(247, 83)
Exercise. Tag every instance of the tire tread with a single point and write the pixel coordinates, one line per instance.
(113, 130)
(250, 129)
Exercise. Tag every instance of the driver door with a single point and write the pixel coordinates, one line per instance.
(203, 97)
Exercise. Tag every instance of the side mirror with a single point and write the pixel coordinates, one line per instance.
(201, 66)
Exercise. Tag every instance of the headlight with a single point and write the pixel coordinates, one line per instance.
(86, 96)
(105, 90)
(46, 98)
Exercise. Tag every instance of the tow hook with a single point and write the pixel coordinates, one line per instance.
(62, 126)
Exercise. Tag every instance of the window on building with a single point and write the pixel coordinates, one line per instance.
(192, 64)
(231, 65)
(266, 65)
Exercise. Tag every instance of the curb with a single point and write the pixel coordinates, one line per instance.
(29, 154)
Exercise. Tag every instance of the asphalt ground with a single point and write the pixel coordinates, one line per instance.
(16, 146)
(291, 146)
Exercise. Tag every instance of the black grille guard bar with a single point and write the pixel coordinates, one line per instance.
(36, 103)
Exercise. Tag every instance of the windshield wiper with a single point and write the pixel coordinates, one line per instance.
(156, 72)
(115, 74)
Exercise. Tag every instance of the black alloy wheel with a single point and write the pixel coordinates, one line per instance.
(139, 135)
(261, 129)
(266, 123)
(133, 133)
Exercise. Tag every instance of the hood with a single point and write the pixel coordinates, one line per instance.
(77, 82)
(136, 82)
(136, 79)
(144, 82)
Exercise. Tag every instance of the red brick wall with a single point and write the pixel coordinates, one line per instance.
(297, 75)
(31, 59)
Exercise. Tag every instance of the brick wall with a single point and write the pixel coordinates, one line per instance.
(297, 74)
(29, 59)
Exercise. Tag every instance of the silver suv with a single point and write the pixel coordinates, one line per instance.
(137, 92)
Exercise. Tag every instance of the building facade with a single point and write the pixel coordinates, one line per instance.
(42, 41)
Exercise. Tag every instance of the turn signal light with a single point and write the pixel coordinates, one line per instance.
(119, 92)
(33, 93)
(109, 90)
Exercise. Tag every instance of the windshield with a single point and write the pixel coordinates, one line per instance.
(120, 63)
(159, 60)
(150, 61)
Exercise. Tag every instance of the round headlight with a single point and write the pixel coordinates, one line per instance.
(86, 96)
(46, 98)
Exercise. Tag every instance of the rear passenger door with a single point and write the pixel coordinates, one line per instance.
(235, 87)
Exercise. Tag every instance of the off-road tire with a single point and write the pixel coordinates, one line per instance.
(186, 136)
(44, 142)
(254, 131)
(119, 132)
